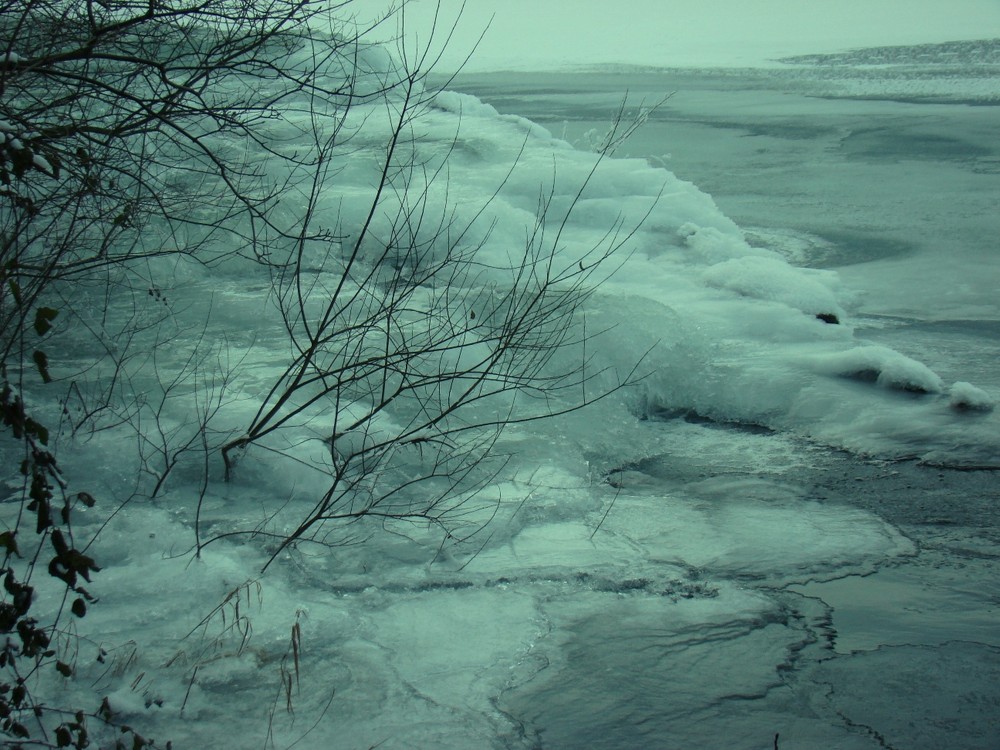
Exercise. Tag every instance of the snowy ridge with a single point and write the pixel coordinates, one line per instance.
(963, 71)
(963, 54)
(951, 71)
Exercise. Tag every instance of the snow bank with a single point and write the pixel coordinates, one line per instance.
(967, 396)
(734, 332)
(773, 279)
(882, 366)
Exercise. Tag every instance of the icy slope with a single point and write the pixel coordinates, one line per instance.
(739, 333)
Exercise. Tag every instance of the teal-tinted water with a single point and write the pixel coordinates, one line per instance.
(899, 194)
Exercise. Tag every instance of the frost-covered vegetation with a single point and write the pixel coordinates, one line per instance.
(268, 160)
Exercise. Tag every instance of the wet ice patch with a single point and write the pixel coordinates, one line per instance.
(956, 686)
(798, 247)
(449, 652)
(728, 531)
(629, 671)
(915, 602)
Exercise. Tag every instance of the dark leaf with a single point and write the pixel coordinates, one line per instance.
(38, 430)
(59, 569)
(64, 669)
(44, 516)
(10, 583)
(86, 499)
(68, 564)
(9, 543)
(79, 607)
(64, 738)
(15, 289)
(43, 319)
(59, 542)
(42, 362)
(83, 564)
(8, 618)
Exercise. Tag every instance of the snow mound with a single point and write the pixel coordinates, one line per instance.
(966, 397)
(883, 366)
(770, 279)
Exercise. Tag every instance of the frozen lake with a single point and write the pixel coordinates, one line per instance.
(900, 197)
(784, 534)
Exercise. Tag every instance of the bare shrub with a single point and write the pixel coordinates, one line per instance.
(142, 141)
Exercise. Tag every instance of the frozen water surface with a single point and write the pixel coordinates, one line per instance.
(791, 527)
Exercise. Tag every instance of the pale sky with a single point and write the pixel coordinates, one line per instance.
(554, 34)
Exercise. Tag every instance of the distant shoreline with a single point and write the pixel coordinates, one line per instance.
(946, 73)
(979, 53)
